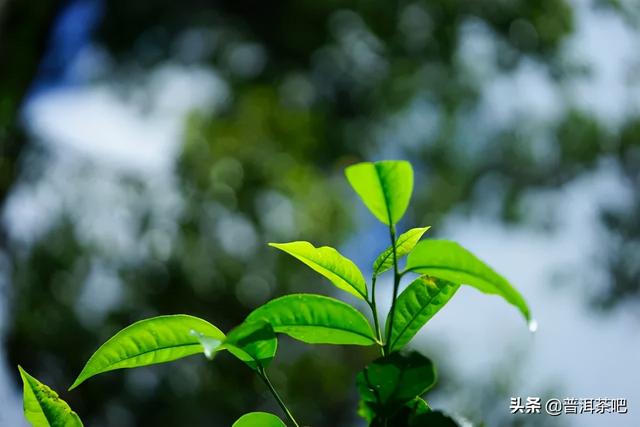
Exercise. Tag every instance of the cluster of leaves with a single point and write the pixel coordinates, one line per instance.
(391, 387)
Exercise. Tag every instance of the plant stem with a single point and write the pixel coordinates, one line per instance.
(374, 312)
(275, 394)
(396, 285)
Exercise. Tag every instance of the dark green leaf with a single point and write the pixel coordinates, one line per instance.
(390, 382)
(259, 419)
(419, 406)
(402, 417)
(416, 305)
(43, 407)
(316, 319)
(385, 187)
(449, 261)
(254, 343)
(341, 271)
(148, 342)
(404, 244)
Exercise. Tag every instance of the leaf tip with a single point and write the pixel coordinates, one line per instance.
(77, 382)
(23, 373)
(276, 245)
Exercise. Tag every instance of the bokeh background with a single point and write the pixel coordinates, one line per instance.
(150, 149)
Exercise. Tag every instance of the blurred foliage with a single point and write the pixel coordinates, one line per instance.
(24, 31)
(313, 86)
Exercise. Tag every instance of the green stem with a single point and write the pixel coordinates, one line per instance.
(275, 394)
(374, 312)
(396, 285)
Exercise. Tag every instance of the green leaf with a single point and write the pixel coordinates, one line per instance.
(43, 407)
(254, 343)
(366, 411)
(148, 342)
(341, 271)
(316, 319)
(259, 419)
(390, 382)
(403, 417)
(385, 187)
(404, 244)
(422, 299)
(449, 261)
(419, 406)
(433, 419)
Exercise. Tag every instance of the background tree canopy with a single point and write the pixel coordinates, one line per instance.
(243, 116)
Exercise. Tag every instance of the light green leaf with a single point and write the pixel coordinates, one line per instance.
(253, 342)
(316, 319)
(404, 244)
(449, 261)
(341, 271)
(259, 419)
(43, 407)
(385, 187)
(148, 342)
(416, 305)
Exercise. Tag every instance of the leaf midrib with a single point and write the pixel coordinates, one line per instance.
(390, 249)
(457, 270)
(440, 290)
(385, 197)
(384, 259)
(370, 337)
(150, 351)
(40, 404)
(339, 275)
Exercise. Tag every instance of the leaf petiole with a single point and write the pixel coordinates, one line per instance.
(396, 284)
(374, 313)
(263, 374)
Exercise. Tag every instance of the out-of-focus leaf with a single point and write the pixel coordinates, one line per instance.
(254, 343)
(419, 406)
(341, 271)
(402, 417)
(316, 319)
(148, 342)
(449, 261)
(385, 187)
(404, 244)
(366, 411)
(390, 382)
(43, 407)
(416, 305)
(259, 419)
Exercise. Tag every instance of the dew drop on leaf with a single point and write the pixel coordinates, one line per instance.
(210, 345)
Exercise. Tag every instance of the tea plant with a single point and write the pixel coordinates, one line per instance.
(391, 387)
